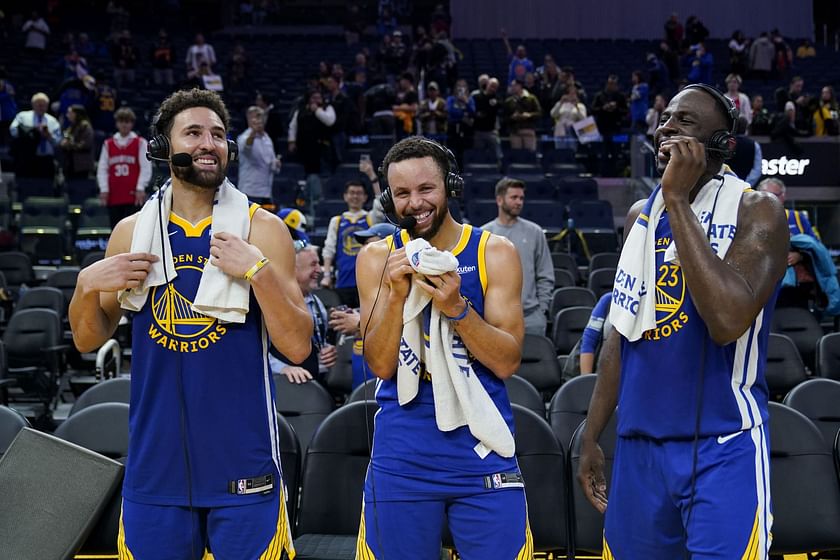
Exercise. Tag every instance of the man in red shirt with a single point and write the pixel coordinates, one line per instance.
(123, 171)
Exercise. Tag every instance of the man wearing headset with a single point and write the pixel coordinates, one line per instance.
(419, 473)
(203, 465)
(690, 477)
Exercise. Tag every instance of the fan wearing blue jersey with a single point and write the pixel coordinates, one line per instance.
(203, 468)
(420, 475)
(690, 477)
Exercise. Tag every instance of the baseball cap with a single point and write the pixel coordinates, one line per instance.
(433, 85)
(381, 230)
(296, 221)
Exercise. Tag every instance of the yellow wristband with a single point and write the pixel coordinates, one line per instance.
(256, 268)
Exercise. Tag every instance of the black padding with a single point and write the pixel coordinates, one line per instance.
(102, 428)
(53, 494)
(110, 390)
(569, 406)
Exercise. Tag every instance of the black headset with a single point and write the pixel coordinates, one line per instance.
(158, 149)
(453, 182)
(721, 142)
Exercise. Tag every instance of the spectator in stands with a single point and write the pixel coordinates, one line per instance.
(323, 355)
(738, 45)
(519, 64)
(486, 125)
(123, 172)
(85, 46)
(460, 111)
(396, 57)
(654, 114)
(695, 32)
(762, 55)
(568, 81)
(379, 103)
(798, 221)
(671, 59)
(75, 91)
(421, 50)
(77, 144)
(440, 20)
(238, 68)
(658, 76)
(674, 31)
(386, 23)
(124, 58)
(522, 113)
(792, 93)
(75, 65)
(162, 57)
(354, 24)
(341, 247)
(310, 130)
(200, 52)
(610, 111)
(740, 100)
(338, 100)
(787, 130)
(762, 120)
(37, 32)
(257, 162)
(405, 107)
(827, 115)
(639, 101)
(530, 243)
(550, 87)
(35, 136)
(746, 162)
(783, 53)
(273, 126)
(701, 65)
(432, 114)
(8, 106)
(806, 49)
(104, 104)
(596, 330)
(565, 113)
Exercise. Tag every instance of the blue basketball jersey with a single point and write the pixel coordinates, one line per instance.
(798, 222)
(202, 398)
(660, 371)
(348, 247)
(411, 456)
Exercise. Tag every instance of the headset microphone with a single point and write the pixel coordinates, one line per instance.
(181, 160)
(408, 222)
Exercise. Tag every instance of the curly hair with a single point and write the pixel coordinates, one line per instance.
(417, 147)
(187, 99)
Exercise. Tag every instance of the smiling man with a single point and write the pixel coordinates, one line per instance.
(203, 466)
(686, 364)
(420, 474)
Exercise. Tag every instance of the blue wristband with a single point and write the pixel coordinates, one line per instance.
(460, 315)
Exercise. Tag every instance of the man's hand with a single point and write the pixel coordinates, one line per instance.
(366, 167)
(119, 272)
(345, 322)
(328, 356)
(794, 258)
(103, 198)
(590, 475)
(233, 255)
(296, 374)
(684, 169)
(446, 293)
(139, 197)
(399, 273)
(326, 281)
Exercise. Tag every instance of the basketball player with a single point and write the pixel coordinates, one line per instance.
(690, 478)
(419, 473)
(203, 464)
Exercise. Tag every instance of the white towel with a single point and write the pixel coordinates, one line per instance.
(219, 295)
(633, 307)
(460, 398)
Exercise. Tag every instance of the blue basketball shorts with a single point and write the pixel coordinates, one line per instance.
(653, 513)
(258, 530)
(493, 524)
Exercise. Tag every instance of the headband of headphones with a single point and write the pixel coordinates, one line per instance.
(729, 108)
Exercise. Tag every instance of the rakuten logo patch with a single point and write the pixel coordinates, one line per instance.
(784, 166)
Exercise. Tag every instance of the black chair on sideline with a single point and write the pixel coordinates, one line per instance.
(11, 422)
(588, 522)
(110, 390)
(819, 400)
(785, 369)
(828, 356)
(364, 392)
(304, 405)
(333, 479)
(539, 363)
(802, 327)
(569, 406)
(804, 485)
(542, 461)
(521, 392)
(100, 427)
(291, 462)
(568, 327)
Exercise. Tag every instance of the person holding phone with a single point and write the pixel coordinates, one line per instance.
(257, 162)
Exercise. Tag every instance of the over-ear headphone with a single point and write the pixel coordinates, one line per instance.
(158, 149)
(453, 182)
(721, 142)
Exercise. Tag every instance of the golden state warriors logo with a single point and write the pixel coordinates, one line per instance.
(349, 244)
(670, 296)
(175, 325)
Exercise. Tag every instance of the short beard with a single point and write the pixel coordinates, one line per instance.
(437, 222)
(510, 211)
(201, 179)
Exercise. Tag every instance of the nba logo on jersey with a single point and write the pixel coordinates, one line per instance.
(415, 259)
(497, 481)
(241, 486)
